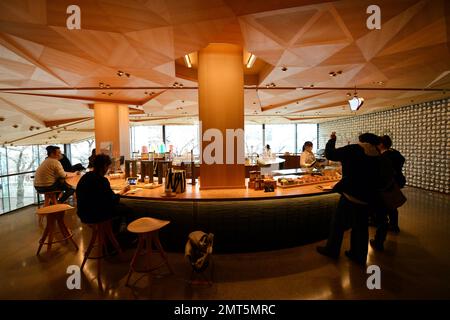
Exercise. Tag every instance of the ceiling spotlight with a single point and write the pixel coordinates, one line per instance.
(175, 84)
(15, 126)
(108, 86)
(332, 74)
(120, 73)
(37, 128)
(2, 119)
(31, 128)
(179, 108)
(101, 85)
(349, 94)
(283, 69)
(311, 85)
(278, 112)
(251, 60)
(127, 74)
(110, 94)
(145, 92)
(187, 61)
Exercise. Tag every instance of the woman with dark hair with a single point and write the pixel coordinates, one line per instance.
(307, 158)
(96, 201)
(91, 159)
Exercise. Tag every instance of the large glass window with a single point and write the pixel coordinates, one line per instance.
(16, 185)
(81, 151)
(281, 137)
(253, 138)
(183, 138)
(306, 132)
(149, 136)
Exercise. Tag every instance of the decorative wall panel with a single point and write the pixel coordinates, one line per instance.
(420, 132)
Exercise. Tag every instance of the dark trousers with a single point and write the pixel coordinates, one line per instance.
(354, 216)
(58, 185)
(393, 218)
(382, 223)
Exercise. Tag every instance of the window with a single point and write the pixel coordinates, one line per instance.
(306, 132)
(16, 186)
(183, 138)
(81, 151)
(149, 136)
(281, 137)
(253, 138)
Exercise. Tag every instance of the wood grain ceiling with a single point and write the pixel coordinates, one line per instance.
(50, 75)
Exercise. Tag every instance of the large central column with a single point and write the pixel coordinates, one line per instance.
(221, 107)
(112, 129)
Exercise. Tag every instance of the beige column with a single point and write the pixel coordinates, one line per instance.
(112, 128)
(221, 106)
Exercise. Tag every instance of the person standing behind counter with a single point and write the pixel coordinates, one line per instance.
(50, 175)
(307, 158)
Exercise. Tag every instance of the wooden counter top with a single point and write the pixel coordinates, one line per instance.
(193, 193)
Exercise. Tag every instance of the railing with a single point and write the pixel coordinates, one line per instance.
(17, 191)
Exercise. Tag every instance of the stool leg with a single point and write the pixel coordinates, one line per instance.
(161, 251)
(51, 221)
(66, 233)
(89, 248)
(112, 238)
(101, 248)
(42, 240)
(149, 250)
(136, 254)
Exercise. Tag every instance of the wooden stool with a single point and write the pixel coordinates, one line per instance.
(100, 233)
(55, 215)
(148, 232)
(50, 198)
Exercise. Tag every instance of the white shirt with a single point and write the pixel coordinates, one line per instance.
(48, 173)
(307, 159)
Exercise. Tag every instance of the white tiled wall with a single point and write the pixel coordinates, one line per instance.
(420, 132)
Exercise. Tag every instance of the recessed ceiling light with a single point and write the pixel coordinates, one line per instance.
(15, 126)
(187, 61)
(283, 69)
(120, 73)
(251, 60)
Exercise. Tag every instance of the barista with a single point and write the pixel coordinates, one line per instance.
(307, 158)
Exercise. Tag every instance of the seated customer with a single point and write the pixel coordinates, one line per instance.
(91, 159)
(50, 176)
(67, 165)
(96, 201)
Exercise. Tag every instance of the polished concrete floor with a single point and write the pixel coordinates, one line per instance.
(415, 264)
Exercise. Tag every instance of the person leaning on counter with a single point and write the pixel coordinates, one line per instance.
(307, 158)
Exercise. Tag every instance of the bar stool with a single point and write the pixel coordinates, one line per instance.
(100, 233)
(148, 232)
(50, 198)
(54, 215)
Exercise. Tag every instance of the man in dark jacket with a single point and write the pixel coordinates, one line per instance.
(96, 201)
(396, 161)
(362, 177)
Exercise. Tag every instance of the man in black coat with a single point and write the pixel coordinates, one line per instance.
(362, 177)
(396, 160)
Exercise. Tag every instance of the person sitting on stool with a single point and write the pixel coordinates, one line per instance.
(50, 175)
(96, 201)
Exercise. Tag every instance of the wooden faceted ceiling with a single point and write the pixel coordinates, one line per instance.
(131, 52)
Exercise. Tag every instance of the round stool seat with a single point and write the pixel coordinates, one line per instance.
(56, 208)
(144, 225)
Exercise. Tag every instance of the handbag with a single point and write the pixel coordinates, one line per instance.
(392, 197)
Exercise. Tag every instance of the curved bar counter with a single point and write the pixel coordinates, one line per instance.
(241, 220)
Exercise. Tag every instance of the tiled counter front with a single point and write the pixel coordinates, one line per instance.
(420, 132)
